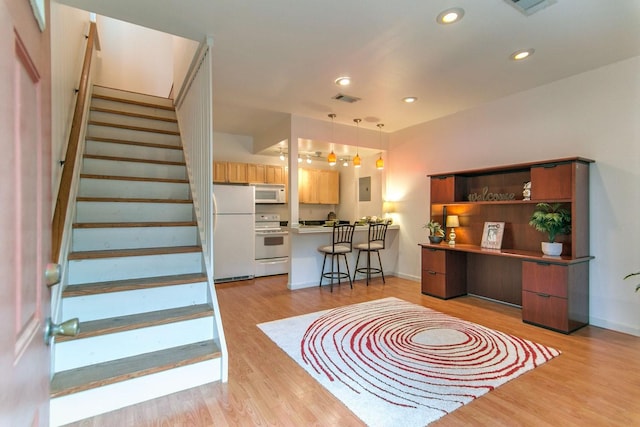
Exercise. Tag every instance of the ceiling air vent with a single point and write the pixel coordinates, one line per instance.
(529, 7)
(346, 98)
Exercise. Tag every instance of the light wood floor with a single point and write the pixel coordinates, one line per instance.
(595, 382)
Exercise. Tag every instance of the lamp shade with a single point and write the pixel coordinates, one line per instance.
(356, 161)
(388, 207)
(380, 163)
(453, 221)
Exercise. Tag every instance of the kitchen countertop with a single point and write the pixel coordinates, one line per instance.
(310, 229)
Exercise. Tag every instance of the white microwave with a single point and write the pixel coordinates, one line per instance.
(270, 193)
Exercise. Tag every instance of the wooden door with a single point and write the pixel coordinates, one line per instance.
(25, 222)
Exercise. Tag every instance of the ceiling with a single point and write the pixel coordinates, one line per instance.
(279, 57)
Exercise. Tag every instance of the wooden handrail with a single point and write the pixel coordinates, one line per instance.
(62, 201)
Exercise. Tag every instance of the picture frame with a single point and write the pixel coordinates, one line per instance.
(492, 235)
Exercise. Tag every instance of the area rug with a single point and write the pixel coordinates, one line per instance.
(394, 363)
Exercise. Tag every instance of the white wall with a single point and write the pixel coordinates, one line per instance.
(595, 115)
(135, 58)
(68, 44)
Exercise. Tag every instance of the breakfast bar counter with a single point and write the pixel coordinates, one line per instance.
(306, 260)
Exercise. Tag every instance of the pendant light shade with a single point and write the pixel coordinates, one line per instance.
(356, 159)
(380, 162)
(332, 158)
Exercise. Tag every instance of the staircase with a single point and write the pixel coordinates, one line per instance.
(136, 277)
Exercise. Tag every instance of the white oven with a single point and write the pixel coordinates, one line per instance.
(272, 246)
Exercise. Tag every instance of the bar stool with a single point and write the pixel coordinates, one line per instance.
(375, 242)
(341, 244)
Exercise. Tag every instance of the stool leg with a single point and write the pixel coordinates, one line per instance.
(333, 257)
(368, 267)
(348, 272)
(380, 262)
(355, 271)
(324, 261)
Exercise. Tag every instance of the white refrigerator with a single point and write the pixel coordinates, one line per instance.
(233, 232)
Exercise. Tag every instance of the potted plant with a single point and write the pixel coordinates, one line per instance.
(436, 233)
(551, 219)
(631, 275)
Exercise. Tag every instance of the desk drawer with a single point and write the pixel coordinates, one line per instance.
(434, 284)
(544, 278)
(434, 260)
(545, 310)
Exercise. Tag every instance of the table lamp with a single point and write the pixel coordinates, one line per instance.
(452, 222)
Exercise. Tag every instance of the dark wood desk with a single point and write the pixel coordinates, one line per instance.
(552, 291)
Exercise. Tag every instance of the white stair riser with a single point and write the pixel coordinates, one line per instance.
(123, 119)
(114, 304)
(85, 404)
(88, 351)
(97, 239)
(132, 108)
(133, 96)
(135, 169)
(92, 187)
(108, 269)
(133, 151)
(93, 212)
(132, 135)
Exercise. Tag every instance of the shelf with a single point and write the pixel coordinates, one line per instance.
(504, 202)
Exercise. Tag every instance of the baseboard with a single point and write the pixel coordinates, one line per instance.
(625, 329)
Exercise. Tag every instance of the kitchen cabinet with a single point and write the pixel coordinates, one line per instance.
(316, 186)
(552, 291)
(237, 173)
(219, 172)
(275, 175)
(256, 173)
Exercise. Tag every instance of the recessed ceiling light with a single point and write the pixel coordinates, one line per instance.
(343, 81)
(450, 16)
(410, 99)
(519, 55)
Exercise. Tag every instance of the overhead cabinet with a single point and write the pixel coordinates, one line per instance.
(248, 173)
(318, 186)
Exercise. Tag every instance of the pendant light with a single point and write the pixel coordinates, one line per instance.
(380, 162)
(332, 158)
(356, 159)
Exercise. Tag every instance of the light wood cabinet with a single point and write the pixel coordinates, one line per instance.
(275, 175)
(256, 173)
(219, 172)
(316, 186)
(237, 173)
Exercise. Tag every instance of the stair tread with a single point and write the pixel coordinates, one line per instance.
(130, 200)
(111, 325)
(136, 115)
(101, 374)
(96, 288)
(130, 142)
(131, 127)
(133, 178)
(115, 253)
(133, 160)
(134, 102)
(134, 224)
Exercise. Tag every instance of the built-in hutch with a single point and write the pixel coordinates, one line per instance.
(552, 291)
